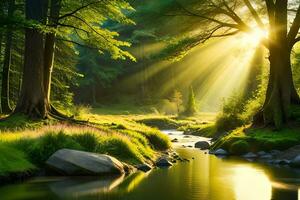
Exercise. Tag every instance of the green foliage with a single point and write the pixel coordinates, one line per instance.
(41, 149)
(239, 147)
(190, 108)
(13, 161)
(260, 139)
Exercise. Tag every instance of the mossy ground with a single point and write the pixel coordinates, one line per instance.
(258, 139)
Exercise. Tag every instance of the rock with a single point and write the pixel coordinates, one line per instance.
(295, 162)
(250, 155)
(163, 162)
(261, 153)
(143, 167)
(80, 163)
(203, 145)
(220, 152)
(190, 146)
(266, 156)
(174, 140)
(281, 162)
(275, 152)
(186, 136)
(289, 154)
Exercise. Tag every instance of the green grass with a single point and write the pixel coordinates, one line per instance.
(13, 161)
(258, 139)
(20, 122)
(32, 142)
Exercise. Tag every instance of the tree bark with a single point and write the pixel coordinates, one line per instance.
(33, 99)
(55, 7)
(281, 92)
(5, 104)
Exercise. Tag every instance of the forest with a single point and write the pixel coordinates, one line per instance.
(155, 99)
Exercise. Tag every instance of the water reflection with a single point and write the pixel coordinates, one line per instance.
(204, 178)
(83, 186)
(250, 183)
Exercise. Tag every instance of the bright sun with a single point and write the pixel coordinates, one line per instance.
(254, 37)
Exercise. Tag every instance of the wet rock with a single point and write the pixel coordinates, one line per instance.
(250, 155)
(281, 162)
(163, 162)
(295, 162)
(80, 163)
(144, 167)
(261, 153)
(187, 136)
(203, 145)
(174, 140)
(275, 152)
(220, 152)
(266, 156)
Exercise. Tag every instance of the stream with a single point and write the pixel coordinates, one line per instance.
(206, 177)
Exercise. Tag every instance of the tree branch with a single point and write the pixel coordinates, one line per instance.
(78, 9)
(294, 28)
(254, 14)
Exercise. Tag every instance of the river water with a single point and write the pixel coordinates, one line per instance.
(206, 177)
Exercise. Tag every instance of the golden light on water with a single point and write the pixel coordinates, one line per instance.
(250, 183)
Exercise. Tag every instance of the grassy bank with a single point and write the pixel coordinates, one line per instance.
(245, 139)
(26, 145)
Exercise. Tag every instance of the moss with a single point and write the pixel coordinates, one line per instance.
(13, 161)
(239, 147)
(260, 139)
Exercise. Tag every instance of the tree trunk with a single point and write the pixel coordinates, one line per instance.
(5, 104)
(33, 99)
(55, 7)
(281, 92)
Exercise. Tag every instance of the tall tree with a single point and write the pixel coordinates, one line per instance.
(33, 101)
(5, 104)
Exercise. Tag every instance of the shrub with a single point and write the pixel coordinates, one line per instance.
(88, 141)
(13, 161)
(239, 147)
(41, 149)
(120, 147)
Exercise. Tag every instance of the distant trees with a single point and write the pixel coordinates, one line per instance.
(190, 108)
(177, 99)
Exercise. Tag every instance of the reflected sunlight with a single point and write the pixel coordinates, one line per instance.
(250, 183)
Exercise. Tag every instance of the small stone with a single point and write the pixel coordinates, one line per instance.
(203, 145)
(261, 153)
(163, 162)
(190, 146)
(174, 140)
(266, 156)
(250, 155)
(143, 167)
(275, 152)
(281, 162)
(221, 152)
(295, 162)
